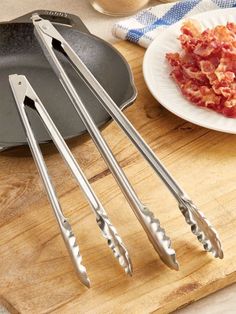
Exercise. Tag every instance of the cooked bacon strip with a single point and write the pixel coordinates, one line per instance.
(205, 71)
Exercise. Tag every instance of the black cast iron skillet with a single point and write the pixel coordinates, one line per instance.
(20, 53)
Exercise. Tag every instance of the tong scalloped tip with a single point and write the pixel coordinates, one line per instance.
(73, 248)
(115, 242)
(159, 239)
(201, 227)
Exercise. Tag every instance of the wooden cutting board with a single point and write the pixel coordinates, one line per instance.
(36, 275)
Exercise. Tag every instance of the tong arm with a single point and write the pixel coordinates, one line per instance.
(21, 90)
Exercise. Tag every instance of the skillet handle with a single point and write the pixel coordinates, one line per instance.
(66, 19)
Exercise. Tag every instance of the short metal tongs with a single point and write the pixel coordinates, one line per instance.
(51, 41)
(26, 98)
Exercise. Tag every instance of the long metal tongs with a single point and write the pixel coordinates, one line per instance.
(200, 226)
(26, 97)
(51, 40)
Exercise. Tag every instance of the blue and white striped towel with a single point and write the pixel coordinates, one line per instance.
(147, 24)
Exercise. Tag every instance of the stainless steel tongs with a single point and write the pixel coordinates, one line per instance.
(51, 41)
(26, 98)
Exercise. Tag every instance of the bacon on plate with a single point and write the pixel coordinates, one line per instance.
(205, 70)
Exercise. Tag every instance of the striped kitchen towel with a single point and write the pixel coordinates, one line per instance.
(147, 24)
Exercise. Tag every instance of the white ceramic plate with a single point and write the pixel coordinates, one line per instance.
(156, 73)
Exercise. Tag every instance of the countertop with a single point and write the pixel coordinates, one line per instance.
(220, 302)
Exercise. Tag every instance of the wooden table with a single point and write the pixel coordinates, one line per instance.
(35, 270)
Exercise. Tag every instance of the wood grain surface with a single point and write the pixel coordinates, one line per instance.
(36, 275)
